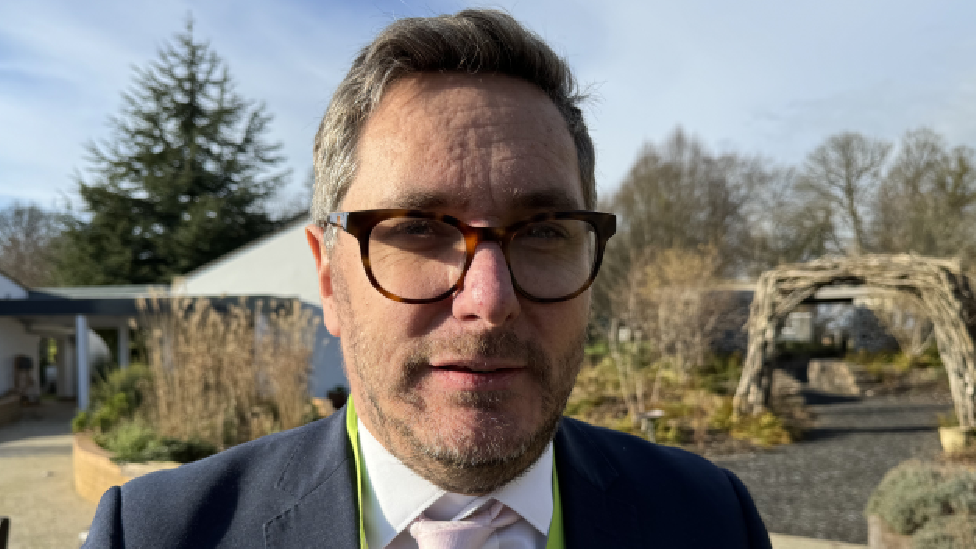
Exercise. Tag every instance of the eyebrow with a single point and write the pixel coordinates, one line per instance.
(543, 199)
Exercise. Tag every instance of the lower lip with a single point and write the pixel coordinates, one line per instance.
(467, 380)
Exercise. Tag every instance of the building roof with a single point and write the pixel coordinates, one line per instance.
(13, 279)
(132, 291)
(298, 220)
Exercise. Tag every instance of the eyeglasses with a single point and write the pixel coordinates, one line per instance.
(420, 257)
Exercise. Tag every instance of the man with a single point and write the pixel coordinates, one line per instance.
(454, 252)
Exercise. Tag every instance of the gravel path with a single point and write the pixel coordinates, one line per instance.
(36, 482)
(818, 487)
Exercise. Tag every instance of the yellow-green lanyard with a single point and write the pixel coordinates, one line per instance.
(555, 540)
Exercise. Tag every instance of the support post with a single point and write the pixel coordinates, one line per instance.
(4, 531)
(81, 355)
(123, 345)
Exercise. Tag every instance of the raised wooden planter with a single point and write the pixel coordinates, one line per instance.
(881, 537)
(95, 472)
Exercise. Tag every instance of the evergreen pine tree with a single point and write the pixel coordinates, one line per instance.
(183, 179)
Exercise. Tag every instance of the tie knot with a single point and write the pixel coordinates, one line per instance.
(468, 533)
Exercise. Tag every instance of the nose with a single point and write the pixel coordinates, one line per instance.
(487, 293)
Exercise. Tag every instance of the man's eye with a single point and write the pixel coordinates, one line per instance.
(545, 231)
(412, 232)
(414, 227)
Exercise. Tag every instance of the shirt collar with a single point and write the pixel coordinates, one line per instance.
(394, 495)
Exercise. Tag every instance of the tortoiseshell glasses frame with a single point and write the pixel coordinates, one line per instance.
(360, 224)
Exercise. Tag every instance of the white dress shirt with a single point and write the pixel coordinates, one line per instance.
(394, 496)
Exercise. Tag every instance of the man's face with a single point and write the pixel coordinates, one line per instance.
(466, 391)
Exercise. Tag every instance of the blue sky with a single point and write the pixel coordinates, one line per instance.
(759, 77)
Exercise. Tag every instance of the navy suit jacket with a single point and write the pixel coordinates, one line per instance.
(297, 489)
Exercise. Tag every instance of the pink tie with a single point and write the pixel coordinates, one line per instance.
(469, 533)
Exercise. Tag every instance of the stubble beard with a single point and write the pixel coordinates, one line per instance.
(476, 461)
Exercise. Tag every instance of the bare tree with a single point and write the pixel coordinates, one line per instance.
(927, 202)
(27, 239)
(624, 334)
(844, 173)
(684, 310)
(664, 313)
(678, 194)
(788, 227)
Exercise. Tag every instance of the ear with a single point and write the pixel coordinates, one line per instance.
(323, 266)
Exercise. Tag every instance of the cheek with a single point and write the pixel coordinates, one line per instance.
(559, 325)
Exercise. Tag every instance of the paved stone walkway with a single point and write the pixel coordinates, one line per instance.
(36, 483)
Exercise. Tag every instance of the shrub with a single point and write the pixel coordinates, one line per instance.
(115, 397)
(765, 430)
(720, 373)
(80, 422)
(722, 419)
(595, 387)
(952, 532)
(669, 432)
(914, 494)
(135, 441)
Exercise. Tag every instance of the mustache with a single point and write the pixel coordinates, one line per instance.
(496, 344)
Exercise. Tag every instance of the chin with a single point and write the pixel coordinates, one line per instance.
(472, 438)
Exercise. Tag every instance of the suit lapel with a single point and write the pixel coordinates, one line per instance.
(321, 476)
(592, 517)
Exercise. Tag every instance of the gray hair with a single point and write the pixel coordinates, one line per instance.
(472, 41)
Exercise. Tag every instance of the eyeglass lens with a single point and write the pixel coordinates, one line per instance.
(416, 258)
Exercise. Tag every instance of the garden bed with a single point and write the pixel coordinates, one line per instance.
(95, 472)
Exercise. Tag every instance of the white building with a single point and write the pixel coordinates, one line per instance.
(279, 266)
(29, 315)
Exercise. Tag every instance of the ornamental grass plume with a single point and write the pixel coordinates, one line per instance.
(223, 373)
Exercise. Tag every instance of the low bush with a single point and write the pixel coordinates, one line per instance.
(720, 373)
(722, 419)
(134, 440)
(114, 398)
(669, 432)
(697, 411)
(766, 429)
(952, 532)
(915, 496)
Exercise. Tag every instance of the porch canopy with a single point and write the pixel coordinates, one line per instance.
(65, 313)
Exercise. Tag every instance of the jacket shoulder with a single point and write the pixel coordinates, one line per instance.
(225, 499)
(618, 478)
(632, 456)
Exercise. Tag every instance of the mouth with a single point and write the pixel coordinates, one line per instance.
(473, 375)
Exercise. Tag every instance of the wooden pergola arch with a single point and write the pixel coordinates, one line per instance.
(939, 285)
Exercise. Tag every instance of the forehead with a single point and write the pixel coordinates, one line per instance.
(478, 144)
